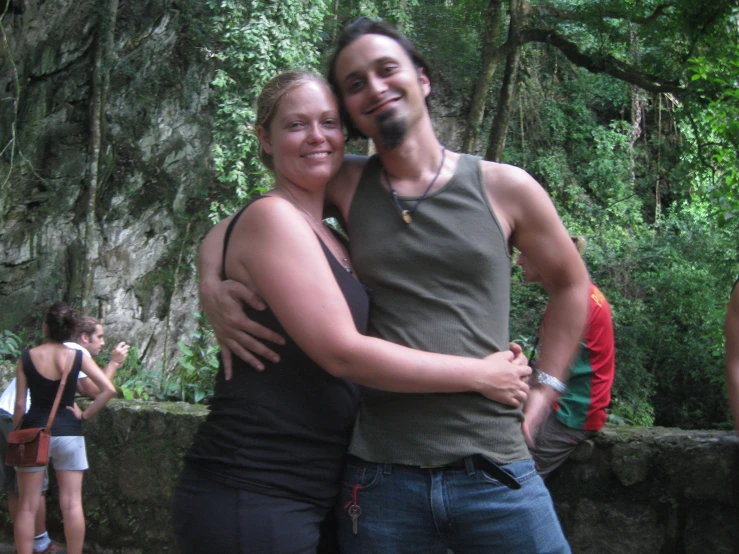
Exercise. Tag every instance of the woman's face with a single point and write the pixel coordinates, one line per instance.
(305, 137)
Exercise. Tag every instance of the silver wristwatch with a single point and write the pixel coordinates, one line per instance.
(550, 381)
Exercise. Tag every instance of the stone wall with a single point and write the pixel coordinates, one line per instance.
(154, 167)
(630, 490)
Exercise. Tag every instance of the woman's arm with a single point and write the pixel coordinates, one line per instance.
(21, 391)
(107, 390)
(289, 267)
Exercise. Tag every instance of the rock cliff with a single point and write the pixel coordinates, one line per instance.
(136, 237)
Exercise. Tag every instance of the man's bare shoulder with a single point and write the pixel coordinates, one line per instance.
(513, 193)
(505, 177)
(342, 186)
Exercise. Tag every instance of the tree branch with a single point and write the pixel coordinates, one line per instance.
(596, 64)
(569, 15)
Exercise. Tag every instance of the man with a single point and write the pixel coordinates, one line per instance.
(430, 232)
(581, 411)
(91, 341)
(731, 333)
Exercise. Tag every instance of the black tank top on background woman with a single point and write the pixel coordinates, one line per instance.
(43, 394)
(283, 431)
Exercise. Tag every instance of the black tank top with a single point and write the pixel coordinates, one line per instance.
(43, 394)
(283, 431)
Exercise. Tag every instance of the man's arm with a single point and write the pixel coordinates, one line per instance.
(531, 222)
(731, 332)
(222, 303)
(222, 300)
(87, 387)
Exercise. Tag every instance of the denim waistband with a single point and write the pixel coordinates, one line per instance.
(468, 463)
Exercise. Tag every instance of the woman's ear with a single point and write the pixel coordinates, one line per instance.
(263, 136)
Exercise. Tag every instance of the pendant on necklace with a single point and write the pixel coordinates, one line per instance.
(406, 216)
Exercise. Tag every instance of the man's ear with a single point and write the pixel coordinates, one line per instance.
(84, 338)
(424, 81)
(263, 136)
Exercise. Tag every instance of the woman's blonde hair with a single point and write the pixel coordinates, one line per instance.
(271, 97)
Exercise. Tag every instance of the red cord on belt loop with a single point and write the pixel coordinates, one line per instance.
(353, 501)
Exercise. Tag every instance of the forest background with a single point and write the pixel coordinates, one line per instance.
(626, 112)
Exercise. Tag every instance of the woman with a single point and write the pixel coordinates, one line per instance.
(40, 370)
(264, 469)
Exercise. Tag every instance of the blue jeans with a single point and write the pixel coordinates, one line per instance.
(407, 509)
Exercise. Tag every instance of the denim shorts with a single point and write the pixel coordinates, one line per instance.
(65, 454)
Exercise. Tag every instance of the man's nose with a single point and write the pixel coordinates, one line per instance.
(376, 84)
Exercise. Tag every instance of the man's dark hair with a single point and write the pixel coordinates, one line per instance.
(357, 29)
(87, 326)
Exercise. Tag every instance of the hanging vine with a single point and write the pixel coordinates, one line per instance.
(100, 79)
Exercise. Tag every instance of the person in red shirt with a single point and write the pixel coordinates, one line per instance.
(580, 411)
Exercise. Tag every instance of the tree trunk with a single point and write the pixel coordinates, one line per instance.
(100, 78)
(485, 78)
(496, 141)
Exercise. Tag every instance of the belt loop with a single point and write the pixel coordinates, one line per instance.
(469, 465)
(387, 469)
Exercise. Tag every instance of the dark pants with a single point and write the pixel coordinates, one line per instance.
(209, 517)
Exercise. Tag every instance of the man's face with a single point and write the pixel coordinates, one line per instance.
(95, 342)
(383, 92)
(530, 273)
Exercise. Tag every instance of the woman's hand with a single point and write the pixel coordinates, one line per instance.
(75, 409)
(507, 381)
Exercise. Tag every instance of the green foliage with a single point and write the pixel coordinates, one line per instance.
(192, 380)
(253, 41)
(717, 129)
(198, 364)
(10, 345)
(137, 383)
(454, 57)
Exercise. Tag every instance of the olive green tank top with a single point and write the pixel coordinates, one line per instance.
(441, 284)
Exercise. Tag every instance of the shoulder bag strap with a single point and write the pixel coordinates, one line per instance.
(58, 399)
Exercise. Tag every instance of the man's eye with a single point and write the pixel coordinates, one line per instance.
(354, 86)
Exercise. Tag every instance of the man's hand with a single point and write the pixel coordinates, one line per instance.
(236, 333)
(120, 353)
(536, 410)
(508, 379)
